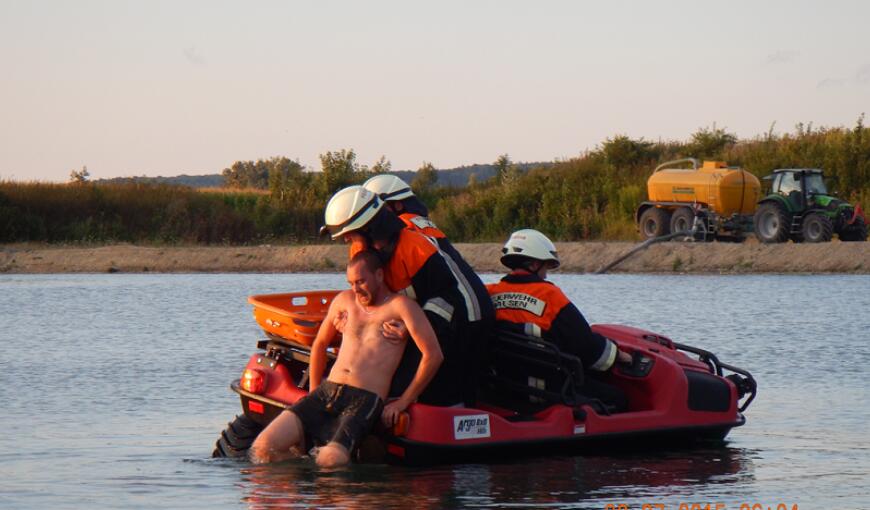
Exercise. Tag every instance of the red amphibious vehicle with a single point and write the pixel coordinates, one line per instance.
(676, 393)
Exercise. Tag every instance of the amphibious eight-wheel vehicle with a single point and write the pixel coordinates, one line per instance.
(677, 394)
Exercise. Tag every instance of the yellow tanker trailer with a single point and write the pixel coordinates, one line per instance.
(722, 198)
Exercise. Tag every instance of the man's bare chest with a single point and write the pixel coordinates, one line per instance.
(366, 327)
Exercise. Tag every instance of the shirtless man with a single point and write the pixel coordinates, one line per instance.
(340, 411)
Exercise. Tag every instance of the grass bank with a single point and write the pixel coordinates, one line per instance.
(578, 257)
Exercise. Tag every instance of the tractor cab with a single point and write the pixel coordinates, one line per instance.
(799, 187)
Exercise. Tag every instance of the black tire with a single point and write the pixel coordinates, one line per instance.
(237, 438)
(817, 228)
(682, 219)
(654, 222)
(855, 232)
(772, 223)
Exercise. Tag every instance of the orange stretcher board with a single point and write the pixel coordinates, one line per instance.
(294, 316)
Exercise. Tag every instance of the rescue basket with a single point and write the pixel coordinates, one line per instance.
(294, 316)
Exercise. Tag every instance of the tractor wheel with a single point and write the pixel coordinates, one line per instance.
(237, 438)
(682, 219)
(857, 232)
(817, 228)
(772, 223)
(654, 222)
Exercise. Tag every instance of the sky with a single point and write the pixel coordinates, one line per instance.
(190, 86)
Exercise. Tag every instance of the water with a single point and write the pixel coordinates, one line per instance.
(115, 387)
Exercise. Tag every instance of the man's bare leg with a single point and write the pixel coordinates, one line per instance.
(333, 455)
(276, 441)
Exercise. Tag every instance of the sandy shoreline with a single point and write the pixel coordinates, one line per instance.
(585, 257)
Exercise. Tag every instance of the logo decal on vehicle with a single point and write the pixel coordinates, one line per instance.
(471, 426)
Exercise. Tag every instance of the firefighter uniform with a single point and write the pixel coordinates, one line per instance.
(458, 265)
(457, 306)
(528, 304)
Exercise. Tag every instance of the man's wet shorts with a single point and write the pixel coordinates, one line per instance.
(337, 412)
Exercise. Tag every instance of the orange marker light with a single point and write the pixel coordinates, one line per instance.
(403, 423)
(253, 380)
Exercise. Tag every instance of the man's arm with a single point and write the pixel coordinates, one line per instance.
(424, 336)
(325, 336)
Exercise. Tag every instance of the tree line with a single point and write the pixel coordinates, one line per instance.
(271, 200)
(591, 196)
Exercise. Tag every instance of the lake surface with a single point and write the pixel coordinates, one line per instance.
(115, 387)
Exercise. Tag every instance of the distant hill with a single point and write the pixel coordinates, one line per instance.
(451, 177)
(458, 177)
(194, 181)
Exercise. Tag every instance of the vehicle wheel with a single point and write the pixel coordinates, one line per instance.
(237, 438)
(682, 219)
(857, 231)
(654, 222)
(772, 223)
(817, 228)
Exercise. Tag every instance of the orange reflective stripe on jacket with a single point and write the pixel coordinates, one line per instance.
(422, 225)
(523, 303)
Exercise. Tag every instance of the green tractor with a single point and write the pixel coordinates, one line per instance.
(799, 208)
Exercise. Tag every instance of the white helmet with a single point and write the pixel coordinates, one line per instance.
(389, 187)
(350, 209)
(529, 244)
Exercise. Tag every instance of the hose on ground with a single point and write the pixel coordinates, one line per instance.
(646, 244)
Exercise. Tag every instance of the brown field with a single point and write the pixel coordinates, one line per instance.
(585, 257)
